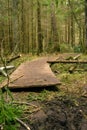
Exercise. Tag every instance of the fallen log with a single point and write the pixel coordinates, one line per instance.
(76, 57)
(67, 61)
(72, 68)
(13, 58)
(73, 58)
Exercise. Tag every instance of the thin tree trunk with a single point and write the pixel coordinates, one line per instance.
(32, 22)
(22, 25)
(69, 32)
(86, 25)
(66, 30)
(39, 31)
(72, 31)
(10, 28)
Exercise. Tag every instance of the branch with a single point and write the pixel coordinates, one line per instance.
(23, 124)
(3, 70)
(14, 58)
(3, 84)
(25, 103)
(4, 64)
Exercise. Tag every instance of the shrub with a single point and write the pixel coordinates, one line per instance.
(64, 47)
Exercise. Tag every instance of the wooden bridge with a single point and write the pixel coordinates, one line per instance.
(35, 73)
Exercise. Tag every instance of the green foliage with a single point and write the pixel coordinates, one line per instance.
(66, 47)
(77, 48)
(8, 113)
(40, 96)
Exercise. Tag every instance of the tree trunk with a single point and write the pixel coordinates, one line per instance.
(55, 38)
(39, 31)
(15, 25)
(72, 30)
(10, 37)
(86, 26)
(22, 25)
(32, 24)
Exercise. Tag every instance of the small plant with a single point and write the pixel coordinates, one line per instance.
(8, 113)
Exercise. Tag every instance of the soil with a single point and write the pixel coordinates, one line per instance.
(59, 113)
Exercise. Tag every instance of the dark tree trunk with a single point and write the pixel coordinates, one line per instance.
(22, 26)
(55, 38)
(86, 25)
(39, 31)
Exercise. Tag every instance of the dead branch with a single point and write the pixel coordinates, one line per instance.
(3, 84)
(73, 58)
(14, 58)
(23, 124)
(25, 103)
(27, 111)
(3, 70)
(72, 68)
(76, 57)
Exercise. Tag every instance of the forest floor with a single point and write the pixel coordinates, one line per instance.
(63, 107)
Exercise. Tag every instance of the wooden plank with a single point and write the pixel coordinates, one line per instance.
(67, 61)
(36, 73)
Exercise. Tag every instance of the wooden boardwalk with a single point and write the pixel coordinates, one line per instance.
(35, 73)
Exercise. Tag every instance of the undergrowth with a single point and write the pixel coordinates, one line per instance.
(8, 112)
(71, 83)
(39, 96)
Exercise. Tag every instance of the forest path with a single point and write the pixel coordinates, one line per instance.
(36, 73)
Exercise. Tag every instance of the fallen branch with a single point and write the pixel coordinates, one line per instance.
(3, 70)
(25, 103)
(27, 111)
(73, 58)
(3, 84)
(14, 58)
(72, 68)
(76, 57)
(23, 124)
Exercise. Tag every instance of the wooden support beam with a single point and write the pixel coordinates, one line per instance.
(68, 61)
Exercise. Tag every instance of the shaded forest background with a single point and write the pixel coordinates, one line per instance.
(36, 26)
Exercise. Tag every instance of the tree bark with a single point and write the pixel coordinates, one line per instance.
(55, 38)
(86, 25)
(39, 31)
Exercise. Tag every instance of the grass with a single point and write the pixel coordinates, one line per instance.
(72, 83)
(43, 95)
(9, 112)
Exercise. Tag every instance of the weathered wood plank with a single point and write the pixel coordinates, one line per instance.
(36, 73)
(67, 61)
